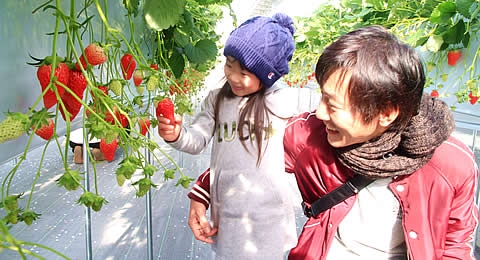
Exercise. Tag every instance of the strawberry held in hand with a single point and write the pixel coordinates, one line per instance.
(166, 108)
(108, 149)
(128, 65)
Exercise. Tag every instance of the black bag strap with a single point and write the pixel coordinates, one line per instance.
(346, 190)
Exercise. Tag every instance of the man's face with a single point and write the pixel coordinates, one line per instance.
(344, 126)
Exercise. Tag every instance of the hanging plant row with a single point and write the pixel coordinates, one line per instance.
(110, 77)
(445, 30)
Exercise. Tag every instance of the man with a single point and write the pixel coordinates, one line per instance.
(373, 120)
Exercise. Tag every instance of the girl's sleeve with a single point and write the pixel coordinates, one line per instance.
(201, 189)
(194, 138)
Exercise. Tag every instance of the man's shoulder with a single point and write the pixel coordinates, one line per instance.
(454, 160)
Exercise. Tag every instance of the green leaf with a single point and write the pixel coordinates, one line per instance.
(455, 33)
(208, 2)
(203, 51)
(177, 63)
(443, 13)
(466, 39)
(180, 38)
(464, 7)
(161, 14)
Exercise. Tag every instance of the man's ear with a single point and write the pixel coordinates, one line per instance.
(387, 117)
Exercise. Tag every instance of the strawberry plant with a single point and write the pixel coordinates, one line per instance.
(89, 80)
(442, 30)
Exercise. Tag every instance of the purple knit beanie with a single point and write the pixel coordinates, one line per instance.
(264, 46)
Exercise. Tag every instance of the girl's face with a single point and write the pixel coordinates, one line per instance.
(344, 126)
(242, 81)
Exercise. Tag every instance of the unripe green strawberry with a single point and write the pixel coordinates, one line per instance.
(116, 87)
(28, 217)
(11, 217)
(140, 90)
(12, 127)
(11, 202)
(98, 203)
(153, 82)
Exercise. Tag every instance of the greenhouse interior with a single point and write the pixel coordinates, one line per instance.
(62, 203)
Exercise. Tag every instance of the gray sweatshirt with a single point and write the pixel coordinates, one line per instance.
(250, 205)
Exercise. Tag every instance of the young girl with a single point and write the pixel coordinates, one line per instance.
(251, 212)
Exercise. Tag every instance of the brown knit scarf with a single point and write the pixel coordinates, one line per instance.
(404, 152)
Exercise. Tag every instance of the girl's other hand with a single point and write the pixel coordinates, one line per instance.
(199, 224)
(169, 131)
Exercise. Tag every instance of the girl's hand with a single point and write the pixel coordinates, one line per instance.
(199, 224)
(169, 131)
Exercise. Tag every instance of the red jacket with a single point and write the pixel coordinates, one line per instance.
(438, 200)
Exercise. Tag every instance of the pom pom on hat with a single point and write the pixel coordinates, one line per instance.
(264, 46)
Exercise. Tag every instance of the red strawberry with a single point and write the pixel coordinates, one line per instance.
(166, 108)
(434, 93)
(123, 119)
(104, 90)
(95, 55)
(473, 99)
(137, 77)
(128, 65)
(77, 83)
(46, 131)
(144, 124)
(154, 66)
(62, 72)
(453, 57)
(108, 149)
(81, 61)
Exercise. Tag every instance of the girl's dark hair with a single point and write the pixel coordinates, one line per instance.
(385, 73)
(256, 107)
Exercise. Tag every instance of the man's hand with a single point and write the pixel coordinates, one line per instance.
(199, 224)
